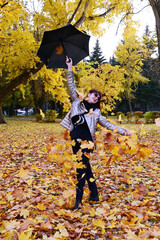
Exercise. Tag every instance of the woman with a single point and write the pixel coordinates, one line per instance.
(81, 121)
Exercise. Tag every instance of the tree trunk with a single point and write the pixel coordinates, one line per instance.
(35, 99)
(156, 10)
(8, 88)
(1, 113)
(130, 107)
(38, 92)
(60, 110)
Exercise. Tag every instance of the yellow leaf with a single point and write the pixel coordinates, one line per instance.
(11, 225)
(42, 114)
(60, 202)
(25, 236)
(131, 235)
(115, 150)
(101, 153)
(92, 212)
(91, 179)
(100, 211)
(98, 223)
(73, 143)
(3, 203)
(79, 165)
(63, 230)
(24, 174)
(41, 206)
(112, 225)
(156, 231)
(88, 145)
(153, 213)
(79, 155)
(29, 182)
(138, 169)
(24, 213)
(68, 193)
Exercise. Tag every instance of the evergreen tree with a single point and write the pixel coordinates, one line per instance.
(97, 55)
(113, 61)
(149, 94)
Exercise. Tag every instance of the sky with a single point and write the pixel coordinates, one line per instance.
(110, 39)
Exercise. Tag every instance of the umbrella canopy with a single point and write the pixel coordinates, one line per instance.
(59, 43)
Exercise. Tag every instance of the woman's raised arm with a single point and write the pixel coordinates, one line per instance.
(70, 79)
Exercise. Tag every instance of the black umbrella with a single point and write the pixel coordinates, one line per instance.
(62, 42)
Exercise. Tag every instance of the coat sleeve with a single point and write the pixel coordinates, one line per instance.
(71, 86)
(105, 123)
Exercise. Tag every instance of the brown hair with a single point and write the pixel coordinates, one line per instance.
(98, 94)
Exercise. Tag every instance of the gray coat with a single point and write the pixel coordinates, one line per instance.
(77, 108)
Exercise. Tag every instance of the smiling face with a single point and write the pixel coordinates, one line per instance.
(93, 97)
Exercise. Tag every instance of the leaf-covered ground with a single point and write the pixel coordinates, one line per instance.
(37, 184)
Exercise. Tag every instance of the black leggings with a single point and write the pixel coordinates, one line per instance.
(84, 173)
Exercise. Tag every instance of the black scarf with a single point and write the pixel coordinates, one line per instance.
(89, 106)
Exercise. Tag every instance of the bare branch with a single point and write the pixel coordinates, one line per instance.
(129, 13)
(101, 15)
(4, 4)
(92, 18)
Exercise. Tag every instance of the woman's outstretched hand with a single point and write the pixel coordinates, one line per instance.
(69, 63)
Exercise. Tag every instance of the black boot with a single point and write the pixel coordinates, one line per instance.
(94, 199)
(77, 204)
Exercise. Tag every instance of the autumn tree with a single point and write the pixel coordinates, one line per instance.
(22, 29)
(130, 54)
(155, 5)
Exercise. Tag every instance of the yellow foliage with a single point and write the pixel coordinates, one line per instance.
(90, 78)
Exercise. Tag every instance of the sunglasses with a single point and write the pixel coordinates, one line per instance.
(97, 95)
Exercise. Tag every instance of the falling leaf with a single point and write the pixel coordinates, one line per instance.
(91, 179)
(79, 165)
(32, 207)
(89, 145)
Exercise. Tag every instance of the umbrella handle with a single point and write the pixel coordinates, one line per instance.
(68, 59)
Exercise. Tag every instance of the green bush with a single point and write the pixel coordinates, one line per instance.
(137, 115)
(129, 116)
(51, 115)
(151, 116)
